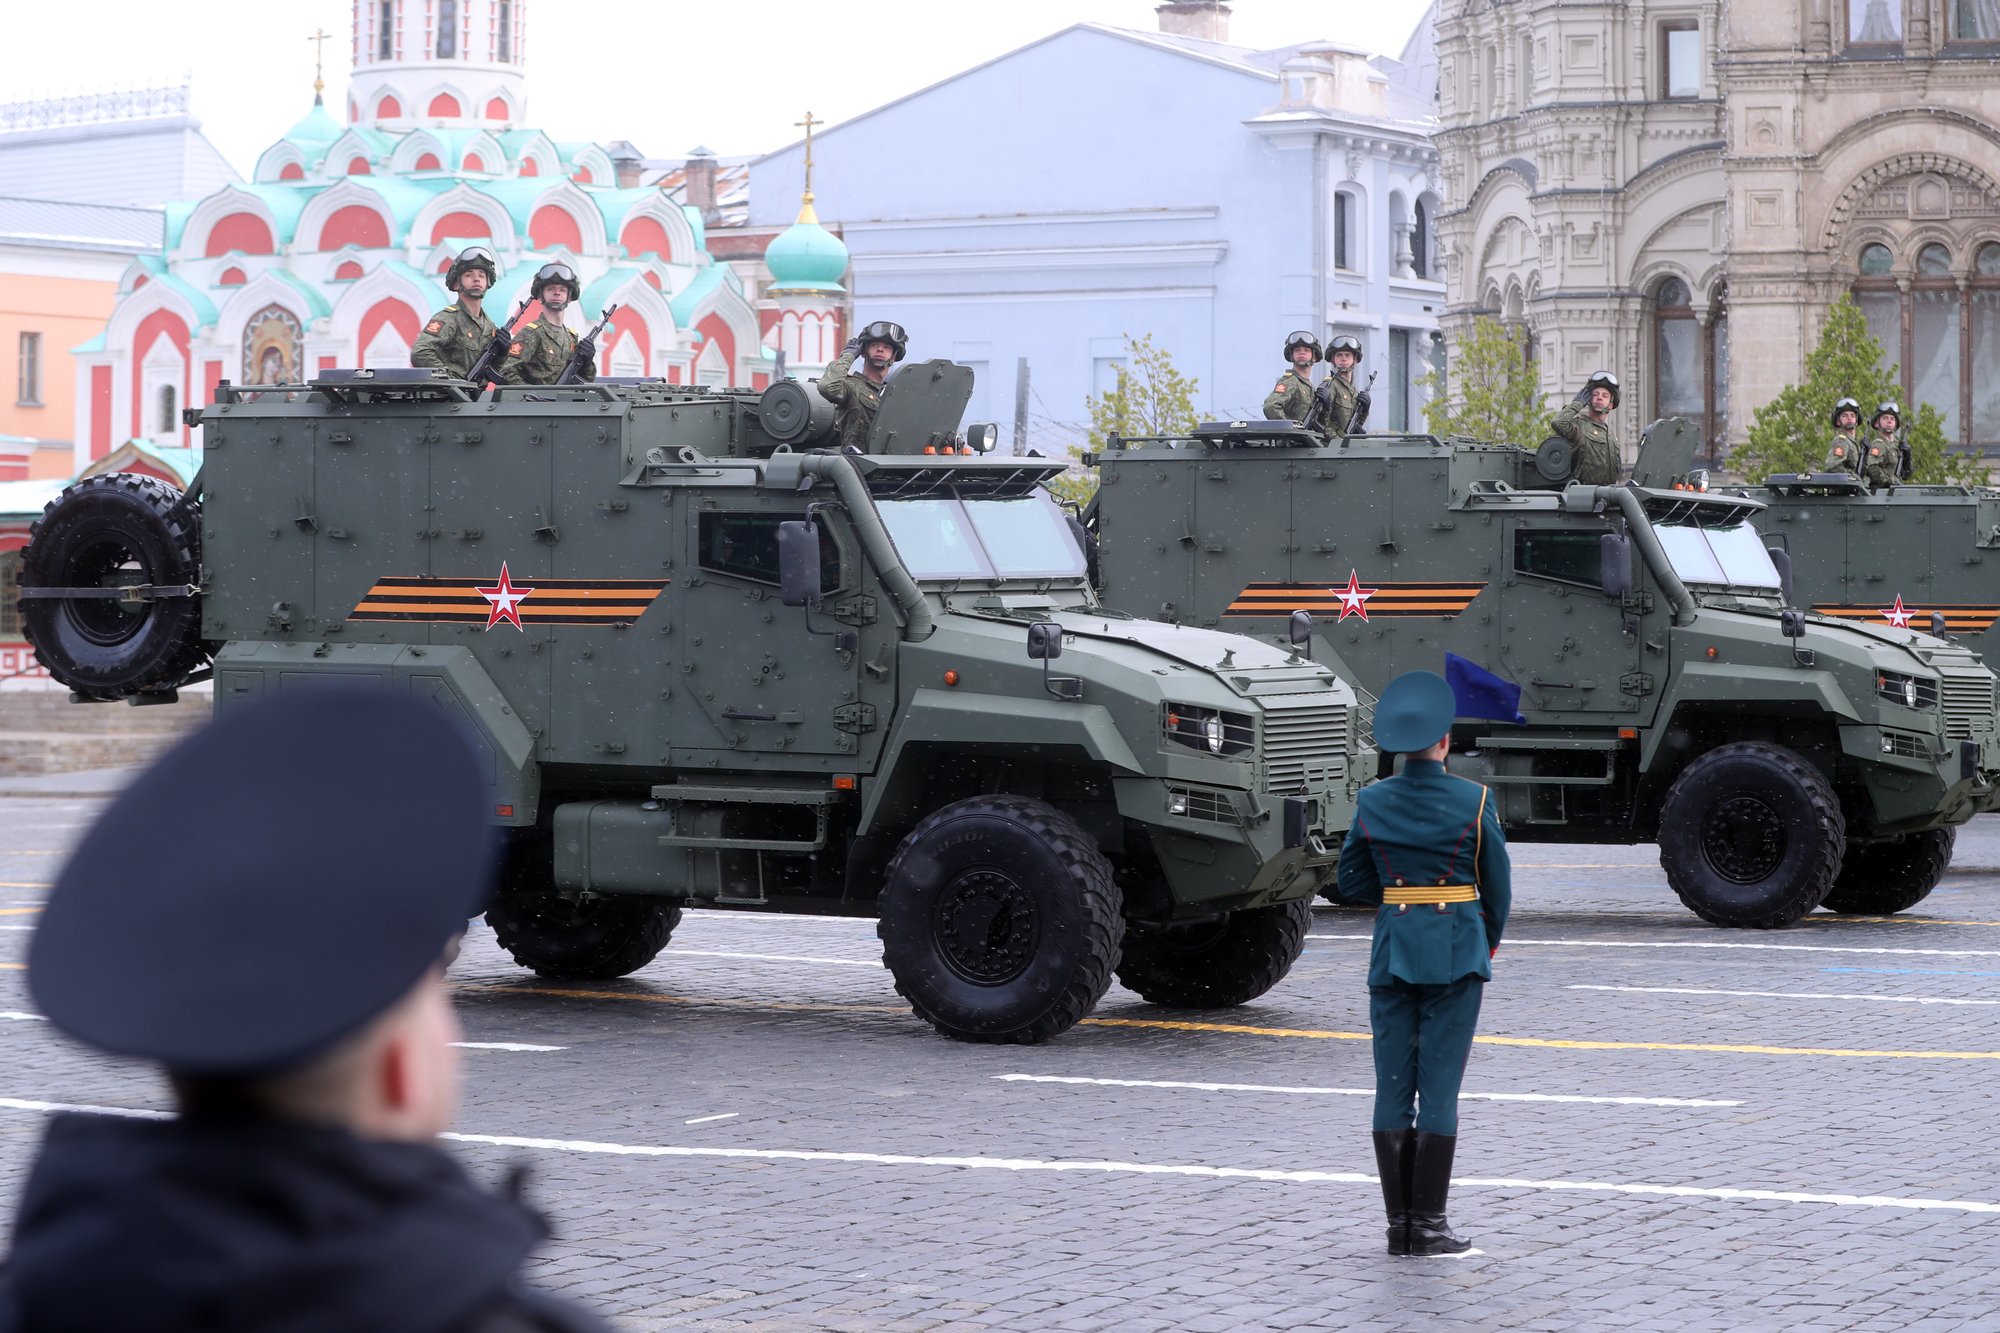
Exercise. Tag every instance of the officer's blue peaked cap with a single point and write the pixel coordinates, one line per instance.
(1414, 713)
(270, 886)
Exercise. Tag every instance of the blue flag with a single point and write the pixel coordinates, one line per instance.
(1482, 694)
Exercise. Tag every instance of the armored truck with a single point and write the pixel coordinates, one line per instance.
(1669, 689)
(708, 662)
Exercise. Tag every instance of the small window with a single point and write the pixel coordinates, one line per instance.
(1680, 59)
(167, 402)
(447, 29)
(10, 595)
(1420, 230)
(385, 30)
(1343, 230)
(746, 547)
(1874, 22)
(1673, 294)
(1876, 261)
(1934, 261)
(29, 394)
(1988, 261)
(506, 25)
(1563, 555)
(1973, 21)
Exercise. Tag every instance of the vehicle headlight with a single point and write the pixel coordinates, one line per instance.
(1209, 730)
(1908, 691)
(1212, 729)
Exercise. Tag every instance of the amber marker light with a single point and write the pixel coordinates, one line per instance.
(1712, 654)
(843, 782)
(951, 678)
(504, 811)
(1628, 733)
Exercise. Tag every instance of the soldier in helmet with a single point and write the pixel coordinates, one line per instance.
(541, 352)
(1293, 397)
(857, 393)
(1892, 444)
(457, 334)
(1842, 452)
(1342, 409)
(1582, 422)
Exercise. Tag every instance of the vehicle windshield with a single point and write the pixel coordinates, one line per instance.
(1023, 538)
(1728, 556)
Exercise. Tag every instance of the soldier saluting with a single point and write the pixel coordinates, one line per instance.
(457, 334)
(1427, 851)
(1582, 422)
(542, 351)
(856, 394)
(1292, 399)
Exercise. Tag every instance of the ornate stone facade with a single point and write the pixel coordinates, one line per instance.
(1676, 190)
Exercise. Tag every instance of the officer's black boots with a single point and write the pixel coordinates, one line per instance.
(1393, 1161)
(1430, 1183)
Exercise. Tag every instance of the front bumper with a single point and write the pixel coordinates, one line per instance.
(1222, 849)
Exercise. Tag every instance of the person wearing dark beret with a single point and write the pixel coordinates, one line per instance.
(281, 959)
(1427, 853)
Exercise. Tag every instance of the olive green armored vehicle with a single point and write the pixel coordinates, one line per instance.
(709, 663)
(1669, 688)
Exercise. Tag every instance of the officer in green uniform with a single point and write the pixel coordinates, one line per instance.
(1427, 851)
(1341, 408)
(1890, 445)
(1293, 397)
(457, 334)
(1582, 423)
(541, 352)
(856, 394)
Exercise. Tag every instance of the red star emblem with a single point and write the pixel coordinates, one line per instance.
(1899, 615)
(1354, 597)
(506, 599)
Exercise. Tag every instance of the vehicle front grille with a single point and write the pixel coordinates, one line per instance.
(1305, 742)
(1201, 803)
(1968, 704)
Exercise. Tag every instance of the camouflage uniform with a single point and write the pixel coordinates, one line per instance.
(1597, 461)
(454, 339)
(1293, 396)
(540, 353)
(855, 396)
(1842, 454)
(1874, 462)
(1341, 393)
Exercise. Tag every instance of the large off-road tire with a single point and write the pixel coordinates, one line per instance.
(1879, 878)
(1751, 835)
(999, 919)
(1216, 964)
(120, 529)
(589, 939)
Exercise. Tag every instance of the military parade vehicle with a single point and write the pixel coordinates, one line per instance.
(1670, 689)
(708, 662)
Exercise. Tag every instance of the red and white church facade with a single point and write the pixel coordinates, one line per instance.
(333, 254)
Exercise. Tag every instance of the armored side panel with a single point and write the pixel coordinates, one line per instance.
(919, 399)
(1666, 452)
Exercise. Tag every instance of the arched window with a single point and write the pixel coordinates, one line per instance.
(496, 109)
(167, 420)
(474, 162)
(358, 166)
(291, 171)
(529, 167)
(428, 162)
(1875, 261)
(554, 228)
(1938, 318)
(583, 176)
(1690, 359)
(1983, 313)
(231, 277)
(347, 272)
(1932, 371)
(388, 108)
(444, 106)
(1420, 230)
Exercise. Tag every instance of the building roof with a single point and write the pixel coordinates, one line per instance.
(27, 499)
(71, 226)
(145, 162)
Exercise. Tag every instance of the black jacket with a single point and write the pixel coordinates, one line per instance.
(228, 1225)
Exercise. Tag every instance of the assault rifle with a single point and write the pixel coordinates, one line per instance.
(586, 349)
(503, 338)
(1322, 404)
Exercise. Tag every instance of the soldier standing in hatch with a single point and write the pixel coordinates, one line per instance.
(1343, 409)
(1582, 422)
(1426, 850)
(856, 394)
(1892, 445)
(457, 334)
(541, 352)
(1841, 450)
(1293, 397)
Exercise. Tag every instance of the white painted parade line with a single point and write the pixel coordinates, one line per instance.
(16, 1016)
(505, 1046)
(1511, 943)
(1113, 1168)
(707, 1119)
(672, 954)
(1787, 995)
(1173, 1084)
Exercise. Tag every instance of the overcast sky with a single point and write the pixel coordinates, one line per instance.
(665, 74)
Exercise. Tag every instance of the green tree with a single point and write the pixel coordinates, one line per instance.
(1492, 392)
(1148, 396)
(1791, 432)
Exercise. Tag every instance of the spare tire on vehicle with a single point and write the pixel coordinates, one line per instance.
(121, 530)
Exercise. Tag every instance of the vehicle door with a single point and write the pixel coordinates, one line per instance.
(1576, 652)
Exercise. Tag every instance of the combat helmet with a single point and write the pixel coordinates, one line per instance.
(1846, 405)
(1346, 342)
(1605, 378)
(556, 272)
(885, 331)
(1303, 339)
(472, 257)
(1887, 409)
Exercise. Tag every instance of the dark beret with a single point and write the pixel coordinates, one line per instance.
(270, 885)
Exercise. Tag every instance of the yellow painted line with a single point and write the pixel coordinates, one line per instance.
(1243, 1029)
(15, 967)
(22, 884)
(18, 911)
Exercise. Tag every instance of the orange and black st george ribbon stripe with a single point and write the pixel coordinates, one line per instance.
(485, 601)
(1278, 600)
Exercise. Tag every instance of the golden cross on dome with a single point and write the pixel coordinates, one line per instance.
(319, 40)
(809, 122)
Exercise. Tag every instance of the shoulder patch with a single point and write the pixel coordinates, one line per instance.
(1282, 387)
(515, 350)
(1874, 453)
(1839, 452)
(434, 326)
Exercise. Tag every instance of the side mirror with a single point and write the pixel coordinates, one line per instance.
(1792, 622)
(1301, 631)
(1938, 626)
(1044, 640)
(1781, 560)
(798, 563)
(1614, 554)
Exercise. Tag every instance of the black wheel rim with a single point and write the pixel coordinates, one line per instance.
(107, 563)
(985, 925)
(1743, 839)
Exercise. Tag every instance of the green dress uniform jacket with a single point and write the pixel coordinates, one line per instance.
(1596, 456)
(454, 338)
(1340, 410)
(1291, 399)
(855, 398)
(540, 353)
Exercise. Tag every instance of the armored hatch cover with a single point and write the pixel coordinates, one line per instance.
(922, 405)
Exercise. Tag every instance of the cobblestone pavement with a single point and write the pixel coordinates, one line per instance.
(1668, 1126)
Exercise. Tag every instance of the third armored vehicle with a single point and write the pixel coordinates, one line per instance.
(1667, 689)
(708, 662)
